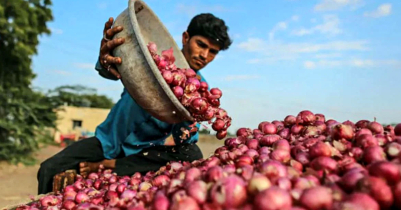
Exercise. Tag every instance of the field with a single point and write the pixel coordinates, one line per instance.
(18, 182)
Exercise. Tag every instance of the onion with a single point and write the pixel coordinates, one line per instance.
(284, 183)
(49, 200)
(397, 129)
(378, 189)
(197, 190)
(178, 91)
(199, 106)
(397, 195)
(296, 129)
(192, 85)
(284, 133)
(280, 155)
(321, 126)
(324, 163)
(357, 153)
(268, 140)
(366, 140)
(258, 183)
(273, 169)
(362, 124)
(252, 144)
(214, 173)
(342, 131)
(81, 197)
(320, 149)
(189, 73)
(229, 192)
(320, 118)
(385, 170)
(168, 76)
(269, 128)
(203, 86)
(317, 198)
(375, 127)
(68, 204)
(349, 180)
(393, 149)
(279, 125)
(363, 131)
(186, 203)
(373, 154)
(192, 174)
(245, 132)
(282, 144)
(289, 120)
(216, 92)
(273, 198)
(306, 117)
(218, 125)
(160, 201)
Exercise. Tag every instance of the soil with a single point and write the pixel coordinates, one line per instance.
(18, 182)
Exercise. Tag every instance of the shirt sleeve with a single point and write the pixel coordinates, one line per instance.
(103, 72)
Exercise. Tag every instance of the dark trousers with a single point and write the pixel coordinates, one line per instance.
(90, 150)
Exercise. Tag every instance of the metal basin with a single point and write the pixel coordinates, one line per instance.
(139, 74)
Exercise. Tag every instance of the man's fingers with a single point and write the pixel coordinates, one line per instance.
(113, 60)
(108, 25)
(112, 31)
(114, 72)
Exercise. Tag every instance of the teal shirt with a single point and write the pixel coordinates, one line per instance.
(129, 128)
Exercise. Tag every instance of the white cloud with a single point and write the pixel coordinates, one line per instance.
(357, 63)
(56, 30)
(85, 65)
(330, 5)
(309, 64)
(328, 55)
(102, 5)
(381, 11)
(60, 72)
(282, 25)
(330, 26)
(277, 51)
(240, 77)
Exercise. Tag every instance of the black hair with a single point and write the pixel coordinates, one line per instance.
(212, 27)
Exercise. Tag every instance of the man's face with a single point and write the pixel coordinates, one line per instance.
(199, 50)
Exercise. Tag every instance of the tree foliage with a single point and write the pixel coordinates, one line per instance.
(79, 96)
(24, 113)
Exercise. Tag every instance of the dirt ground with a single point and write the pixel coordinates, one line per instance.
(18, 182)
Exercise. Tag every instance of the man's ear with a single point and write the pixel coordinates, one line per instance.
(185, 38)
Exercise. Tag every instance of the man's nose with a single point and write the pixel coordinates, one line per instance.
(203, 54)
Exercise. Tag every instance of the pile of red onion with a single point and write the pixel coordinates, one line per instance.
(301, 162)
(203, 103)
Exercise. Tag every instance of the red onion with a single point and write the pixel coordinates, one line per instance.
(229, 192)
(284, 183)
(282, 144)
(306, 117)
(375, 127)
(289, 120)
(280, 155)
(203, 86)
(284, 133)
(349, 180)
(197, 190)
(192, 85)
(378, 189)
(386, 170)
(362, 124)
(273, 169)
(68, 204)
(320, 118)
(214, 173)
(273, 198)
(199, 106)
(269, 128)
(324, 163)
(317, 198)
(216, 92)
(245, 132)
(342, 131)
(218, 125)
(178, 91)
(296, 129)
(366, 140)
(397, 129)
(268, 140)
(320, 149)
(373, 154)
(186, 203)
(252, 144)
(363, 131)
(397, 195)
(258, 183)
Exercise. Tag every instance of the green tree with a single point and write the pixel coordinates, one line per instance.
(24, 113)
(79, 96)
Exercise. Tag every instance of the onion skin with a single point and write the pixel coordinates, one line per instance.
(317, 198)
(378, 189)
(273, 198)
(229, 192)
(385, 170)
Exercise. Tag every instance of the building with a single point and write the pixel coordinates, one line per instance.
(76, 122)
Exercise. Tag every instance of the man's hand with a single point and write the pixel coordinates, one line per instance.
(61, 180)
(107, 46)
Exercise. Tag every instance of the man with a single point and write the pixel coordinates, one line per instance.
(131, 140)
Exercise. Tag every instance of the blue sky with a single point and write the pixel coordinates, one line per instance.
(337, 57)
